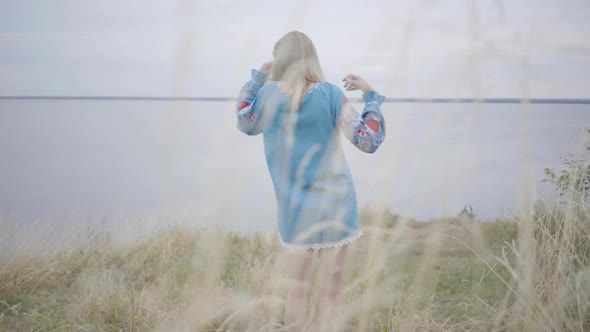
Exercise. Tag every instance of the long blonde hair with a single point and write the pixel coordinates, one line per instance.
(296, 64)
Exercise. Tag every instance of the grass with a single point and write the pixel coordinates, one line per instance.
(455, 274)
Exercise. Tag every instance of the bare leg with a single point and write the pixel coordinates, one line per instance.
(299, 272)
(331, 265)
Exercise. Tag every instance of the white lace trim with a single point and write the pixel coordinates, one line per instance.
(347, 240)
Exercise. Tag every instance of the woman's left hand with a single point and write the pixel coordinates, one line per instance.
(265, 68)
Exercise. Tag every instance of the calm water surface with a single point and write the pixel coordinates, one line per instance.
(166, 161)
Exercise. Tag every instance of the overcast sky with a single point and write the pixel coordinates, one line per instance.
(409, 48)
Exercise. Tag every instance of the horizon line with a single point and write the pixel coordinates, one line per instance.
(387, 100)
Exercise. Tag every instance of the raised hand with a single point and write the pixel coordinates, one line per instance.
(266, 67)
(354, 82)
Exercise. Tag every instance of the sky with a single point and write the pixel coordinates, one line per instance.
(405, 48)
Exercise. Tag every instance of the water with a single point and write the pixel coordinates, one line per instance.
(166, 161)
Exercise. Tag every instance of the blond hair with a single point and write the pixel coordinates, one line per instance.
(296, 64)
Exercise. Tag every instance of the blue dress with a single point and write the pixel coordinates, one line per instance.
(316, 198)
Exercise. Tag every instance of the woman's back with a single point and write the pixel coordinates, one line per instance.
(309, 172)
(314, 189)
(306, 134)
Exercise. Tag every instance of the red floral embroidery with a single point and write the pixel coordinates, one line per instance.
(374, 125)
(243, 105)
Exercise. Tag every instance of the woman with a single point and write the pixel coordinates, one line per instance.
(301, 116)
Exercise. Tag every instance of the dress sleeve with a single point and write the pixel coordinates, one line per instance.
(365, 130)
(249, 105)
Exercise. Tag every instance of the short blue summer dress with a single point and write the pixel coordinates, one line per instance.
(315, 194)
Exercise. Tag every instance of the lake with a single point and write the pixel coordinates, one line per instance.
(162, 161)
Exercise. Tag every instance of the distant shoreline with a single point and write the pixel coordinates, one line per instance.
(579, 101)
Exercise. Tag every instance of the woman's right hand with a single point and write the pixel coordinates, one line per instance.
(354, 82)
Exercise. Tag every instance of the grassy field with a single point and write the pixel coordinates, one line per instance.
(459, 274)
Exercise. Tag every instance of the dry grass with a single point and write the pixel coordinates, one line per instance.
(531, 274)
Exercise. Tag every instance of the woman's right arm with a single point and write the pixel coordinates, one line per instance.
(365, 130)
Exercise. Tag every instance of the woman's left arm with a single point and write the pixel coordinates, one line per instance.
(248, 110)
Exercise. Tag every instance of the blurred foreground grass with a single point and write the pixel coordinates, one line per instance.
(459, 274)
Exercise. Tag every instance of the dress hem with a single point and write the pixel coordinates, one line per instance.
(333, 244)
